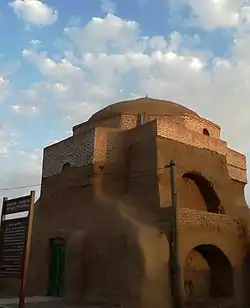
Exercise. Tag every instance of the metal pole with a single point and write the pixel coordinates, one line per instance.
(178, 281)
(27, 251)
(2, 230)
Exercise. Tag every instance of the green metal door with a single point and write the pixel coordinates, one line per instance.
(57, 265)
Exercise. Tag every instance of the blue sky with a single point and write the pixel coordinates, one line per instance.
(60, 61)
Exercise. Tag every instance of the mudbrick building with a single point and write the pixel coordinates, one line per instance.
(102, 228)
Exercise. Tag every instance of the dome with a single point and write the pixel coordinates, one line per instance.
(141, 105)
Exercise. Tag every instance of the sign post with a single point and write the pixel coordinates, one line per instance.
(16, 230)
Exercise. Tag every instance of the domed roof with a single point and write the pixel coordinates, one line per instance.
(141, 105)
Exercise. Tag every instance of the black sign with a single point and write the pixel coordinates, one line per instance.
(13, 237)
(16, 205)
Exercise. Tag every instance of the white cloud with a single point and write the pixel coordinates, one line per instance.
(108, 6)
(31, 101)
(7, 139)
(212, 14)
(25, 110)
(56, 70)
(100, 34)
(34, 12)
(4, 88)
(35, 42)
(23, 172)
(158, 43)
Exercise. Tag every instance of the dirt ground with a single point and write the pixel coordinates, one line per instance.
(38, 302)
(59, 304)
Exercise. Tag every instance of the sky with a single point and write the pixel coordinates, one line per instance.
(60, 61)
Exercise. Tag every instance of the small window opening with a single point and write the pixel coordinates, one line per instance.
(205, 132)
(141, 118)
(66, 166)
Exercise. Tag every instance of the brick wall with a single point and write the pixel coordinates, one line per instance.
(108, 144)
(236, 161)
(190, 122)
(87, 145)
(97, 145)
(128, 121)
(168, 129)
(237, 174)
(76, 150)
(211, 165)
(124, 121)
(199, 219)
(198, 124)
(113, 122)
(175, 119)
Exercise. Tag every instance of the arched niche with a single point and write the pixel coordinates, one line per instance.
(205, 132)
(246, 279)
(203, 192)
(66, 166)
(208, 275)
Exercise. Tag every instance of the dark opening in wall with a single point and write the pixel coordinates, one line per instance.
(66, 166)
(141, 119)
(207, 192)
(205, 132)
(208, 273)
(246, 279)
(57, 266)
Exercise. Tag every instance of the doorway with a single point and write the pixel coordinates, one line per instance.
(208, 274)
(57, 266)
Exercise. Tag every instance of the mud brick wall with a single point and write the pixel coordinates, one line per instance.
(236, 161)
(124, 121)
(175, 119)
(192, 123)
(198, 124)
(201, 219)
(77, 151)
(128, 121)
(237, 174)
(108, 144)
(113, 122)
(171, 130)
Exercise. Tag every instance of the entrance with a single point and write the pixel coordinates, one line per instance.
(57, 265)
(208, 275)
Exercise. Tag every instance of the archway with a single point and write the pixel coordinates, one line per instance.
(208, 274)
(205, 132)
(66, 166)
(206, 191)
(246, 279)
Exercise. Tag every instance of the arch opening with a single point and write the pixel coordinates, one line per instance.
(207, 192)
(246, 279)
(205, 132)
(66, 166)
(208, 275)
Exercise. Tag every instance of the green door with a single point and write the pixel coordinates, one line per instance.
(57, 264)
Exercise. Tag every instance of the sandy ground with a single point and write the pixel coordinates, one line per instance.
(37, 302)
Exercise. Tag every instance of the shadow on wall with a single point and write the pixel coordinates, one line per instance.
(246, 279)
(208, 274)
(114, 255)
(105, 262)
(120, 261)
(207, 192)
(112, 264)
